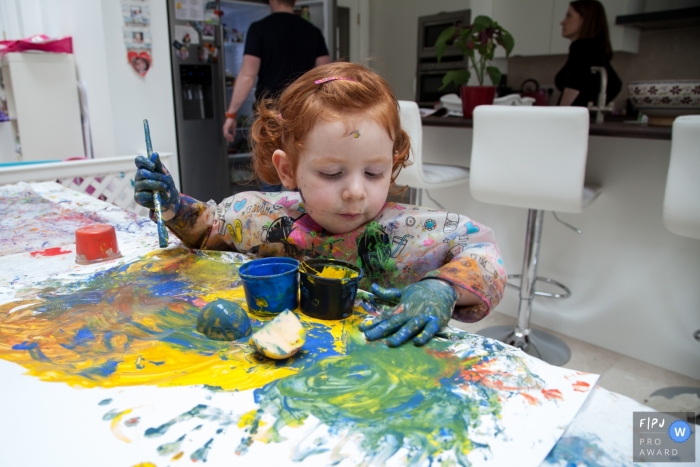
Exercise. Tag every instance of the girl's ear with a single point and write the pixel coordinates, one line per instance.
(284, 169)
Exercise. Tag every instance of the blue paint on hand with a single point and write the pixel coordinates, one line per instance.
(423, 309)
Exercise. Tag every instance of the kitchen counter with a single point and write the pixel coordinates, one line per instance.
(615, 128)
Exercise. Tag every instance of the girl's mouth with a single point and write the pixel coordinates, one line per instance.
(349, 217)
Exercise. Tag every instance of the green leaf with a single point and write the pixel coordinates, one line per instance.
(507, 41)
(481, 22)
(494, 74)
(443, 41)
(459, 77)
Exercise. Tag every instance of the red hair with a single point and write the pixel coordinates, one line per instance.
(284, 122)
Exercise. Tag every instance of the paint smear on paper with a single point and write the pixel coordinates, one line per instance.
(136, 325)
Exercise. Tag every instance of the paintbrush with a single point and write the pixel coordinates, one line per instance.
(162, 231)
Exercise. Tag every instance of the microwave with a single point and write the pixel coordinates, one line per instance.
(430, 27)
(428, 84)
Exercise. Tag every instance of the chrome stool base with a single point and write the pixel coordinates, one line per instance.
(532, 341)
(539, 344)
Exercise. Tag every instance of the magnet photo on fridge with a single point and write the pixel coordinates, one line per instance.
(136, 13)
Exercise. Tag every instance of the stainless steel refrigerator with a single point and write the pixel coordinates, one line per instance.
(203, 71)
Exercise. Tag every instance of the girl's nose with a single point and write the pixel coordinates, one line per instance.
(355, 189)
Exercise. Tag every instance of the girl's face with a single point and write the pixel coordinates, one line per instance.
(344, 173)
(571, 24)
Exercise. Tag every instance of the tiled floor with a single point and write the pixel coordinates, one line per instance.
(621, 374)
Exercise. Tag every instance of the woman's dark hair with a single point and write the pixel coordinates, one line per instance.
(595, 22)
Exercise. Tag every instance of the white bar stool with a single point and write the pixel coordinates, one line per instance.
(534, 158)
(682, 197)
(419, 176)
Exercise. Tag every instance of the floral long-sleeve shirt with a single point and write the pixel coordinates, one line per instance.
(401, 246)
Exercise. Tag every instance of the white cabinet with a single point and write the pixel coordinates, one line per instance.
(42, 101)
(529, 24)
(535, 24)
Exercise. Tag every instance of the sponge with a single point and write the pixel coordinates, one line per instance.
(280, 338)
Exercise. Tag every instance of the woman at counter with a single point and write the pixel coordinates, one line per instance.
(586, 26)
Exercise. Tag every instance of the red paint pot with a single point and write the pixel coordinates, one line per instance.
(96, 243)
(473, 96)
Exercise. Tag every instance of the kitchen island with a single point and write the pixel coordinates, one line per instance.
(619, 128)
(634, 283)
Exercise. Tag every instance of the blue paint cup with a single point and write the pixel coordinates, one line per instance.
(271, 284)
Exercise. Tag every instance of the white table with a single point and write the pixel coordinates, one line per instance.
(102, 364)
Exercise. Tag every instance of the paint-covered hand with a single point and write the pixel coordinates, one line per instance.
(423, 309)
(153, 176)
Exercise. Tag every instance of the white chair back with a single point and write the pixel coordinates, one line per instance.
(411, 123)
(530, 157)
(682, 197)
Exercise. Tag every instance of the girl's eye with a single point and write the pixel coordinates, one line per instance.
(374, 175)
(330, 176)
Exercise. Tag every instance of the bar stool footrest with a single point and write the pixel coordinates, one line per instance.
(566, 294)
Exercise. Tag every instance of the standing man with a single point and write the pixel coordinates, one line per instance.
(278, 49)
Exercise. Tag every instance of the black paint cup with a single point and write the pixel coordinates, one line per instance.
(324, 297)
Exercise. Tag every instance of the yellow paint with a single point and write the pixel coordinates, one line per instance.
(124, 323)
(178, 455)
(329, 272)
(116, 428)
(145, 464)
(247, 418)
(261, 302)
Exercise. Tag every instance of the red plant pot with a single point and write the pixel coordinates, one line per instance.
(476, 95)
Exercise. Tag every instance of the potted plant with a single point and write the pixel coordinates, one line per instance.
(478, 42)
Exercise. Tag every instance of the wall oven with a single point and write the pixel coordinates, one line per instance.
(430, 72)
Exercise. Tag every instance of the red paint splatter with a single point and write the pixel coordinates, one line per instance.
(531, 399)
(51, 252)
(552, 394)
(581, 386)
(132, 421)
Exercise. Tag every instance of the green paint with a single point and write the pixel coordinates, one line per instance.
(171, 448)
(390, 398)
(202, 453)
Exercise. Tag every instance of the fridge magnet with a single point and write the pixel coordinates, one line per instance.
(236, 35)
(181, 51)
(208, 31)
(140, 61)
(213, 52)
(137, 37)
(211, 13)
(186, 34)
(136, 13)
(189, 10)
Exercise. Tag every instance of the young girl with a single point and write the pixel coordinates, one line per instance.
(335, 136)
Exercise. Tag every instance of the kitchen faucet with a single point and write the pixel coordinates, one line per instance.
(602, 97)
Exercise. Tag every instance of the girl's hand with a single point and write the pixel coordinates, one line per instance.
(153, 176)
(423, 309)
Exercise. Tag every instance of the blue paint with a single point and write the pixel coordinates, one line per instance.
(224, 320)
(81, 339)
(105, 402)
(162, 232)
(271, 284)
(24, 346)
(101, 371)
(34, 350)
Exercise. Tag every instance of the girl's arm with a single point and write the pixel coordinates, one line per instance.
(475, 271)
(193, 224)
